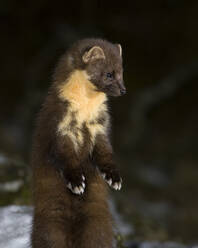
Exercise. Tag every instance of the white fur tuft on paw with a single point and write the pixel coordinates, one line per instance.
(77, 190)
(109, 182)
(117, 186)
(80, 190)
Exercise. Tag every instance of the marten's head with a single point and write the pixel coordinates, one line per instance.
(102, 62)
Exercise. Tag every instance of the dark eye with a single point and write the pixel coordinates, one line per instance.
(109, 75)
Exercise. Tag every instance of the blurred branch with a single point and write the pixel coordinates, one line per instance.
(147, 99)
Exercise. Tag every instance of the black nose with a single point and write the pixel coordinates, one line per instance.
(122, 91)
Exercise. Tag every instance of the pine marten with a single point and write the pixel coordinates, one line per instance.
(72, 157)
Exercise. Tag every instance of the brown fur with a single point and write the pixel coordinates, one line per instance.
(71, 139)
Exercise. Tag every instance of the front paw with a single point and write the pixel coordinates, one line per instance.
(75, 181)
(112, 177)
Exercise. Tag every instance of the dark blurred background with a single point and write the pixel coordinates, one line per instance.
(154, 126)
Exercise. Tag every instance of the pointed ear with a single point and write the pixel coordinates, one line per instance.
(120, 49)
(94, 53)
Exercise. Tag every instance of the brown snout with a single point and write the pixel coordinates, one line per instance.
(122, 88)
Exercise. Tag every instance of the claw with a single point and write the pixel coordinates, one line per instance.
(69, 186)
(76, 190)
(81, 189)
(116, 186)
(109, 182)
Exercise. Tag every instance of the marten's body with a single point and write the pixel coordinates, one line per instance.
(71, 147)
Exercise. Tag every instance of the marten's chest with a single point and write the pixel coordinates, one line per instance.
(86, 116)
(82, 125)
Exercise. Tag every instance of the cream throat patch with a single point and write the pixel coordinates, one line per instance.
(85, 107)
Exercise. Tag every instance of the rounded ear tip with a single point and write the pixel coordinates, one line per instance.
(120, 48)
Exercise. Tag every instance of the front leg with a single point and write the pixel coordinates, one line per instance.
(65, 159)
(103, 156)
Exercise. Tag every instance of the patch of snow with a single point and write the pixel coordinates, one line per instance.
(15, 226)
(156, 244)
(161, 245)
